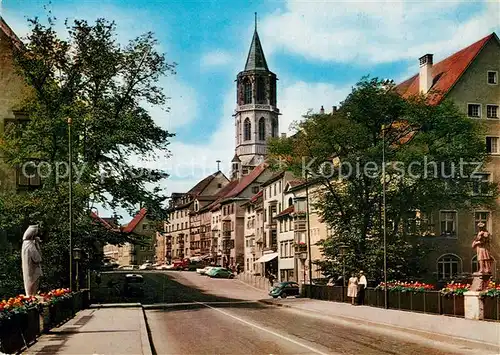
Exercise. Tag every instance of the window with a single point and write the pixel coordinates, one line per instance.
(480, 184)
(261, 90)
(274, 127)
(272, 92)
(28, 175)
(290, 202)
(144, 226)
(247, 134)
(247, 87)
(481, 217)
(448, 223)
(492, 77)
(474, 110)
(238, 134)
(262, 129)
(448, 266)
(492, 111)
(492, 145)
(255, 189)
(219, 185)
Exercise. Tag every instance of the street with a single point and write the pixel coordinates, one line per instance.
(218, 316)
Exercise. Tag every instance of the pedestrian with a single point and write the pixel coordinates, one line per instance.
(352, 288)
(271, 279)
(361, 288)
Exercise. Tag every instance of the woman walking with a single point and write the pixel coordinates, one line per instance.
(352, 288)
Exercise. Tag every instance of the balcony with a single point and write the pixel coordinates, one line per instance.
(226, 233)
(300, 247)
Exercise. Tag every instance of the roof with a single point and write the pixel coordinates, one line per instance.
(222, 192)
(256, 59)
(285, 212)
(9, 33)
(129, 228)
(109, 223)
(256, 196)
(295, 183)
(274, 178)
(446, 73)
(247, 180)
(202, 185)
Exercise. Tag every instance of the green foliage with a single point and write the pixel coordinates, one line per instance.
(372, 121)
(103, 86)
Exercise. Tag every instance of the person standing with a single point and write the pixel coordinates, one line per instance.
(361, 288)
(352, 288)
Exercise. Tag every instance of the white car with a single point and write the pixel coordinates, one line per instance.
(204, 270)
(146, 266)
(162, 267)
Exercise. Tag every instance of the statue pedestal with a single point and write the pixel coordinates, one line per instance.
(480, 281)
(474, 305)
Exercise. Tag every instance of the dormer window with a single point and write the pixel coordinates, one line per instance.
(492, 77)
(196, 206)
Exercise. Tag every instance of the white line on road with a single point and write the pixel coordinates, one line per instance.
(267, 330)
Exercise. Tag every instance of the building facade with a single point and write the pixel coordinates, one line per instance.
(470, 79)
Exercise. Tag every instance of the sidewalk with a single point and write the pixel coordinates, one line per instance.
(481, 331)
(98, 331)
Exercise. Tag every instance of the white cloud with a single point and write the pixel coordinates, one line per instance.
(374, 32)
(216, 58)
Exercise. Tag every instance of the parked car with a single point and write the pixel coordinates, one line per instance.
(128, 267)
(180, 264)
(133, 285)
(221, 273)
(162, 267)
(146, 266)
(205, 270)
(285, 289)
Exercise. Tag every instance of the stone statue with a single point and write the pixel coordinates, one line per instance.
(482, 245)
(31, 257)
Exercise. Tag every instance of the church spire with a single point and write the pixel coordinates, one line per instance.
(256, 59)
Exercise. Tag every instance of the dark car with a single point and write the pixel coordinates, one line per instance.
(221, 273)
(133, 286)
(285, 289)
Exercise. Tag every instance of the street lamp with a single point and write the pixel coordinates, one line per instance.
(77, 256)
(343, 250)
(70, 217)
(303, 256)
(384, 220)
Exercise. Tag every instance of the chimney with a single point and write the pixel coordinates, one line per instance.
(334, 109)
(283, 135)
(322, 110)
(425, 75)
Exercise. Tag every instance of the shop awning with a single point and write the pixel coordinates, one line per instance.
(266, 257)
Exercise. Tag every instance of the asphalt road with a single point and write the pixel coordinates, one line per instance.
(213, 316)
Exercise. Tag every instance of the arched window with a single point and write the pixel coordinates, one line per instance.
(247, 134)
(290, 202)
(448, 266)
(274, 127)
(247, 92)
(262, 129)
(261, 90)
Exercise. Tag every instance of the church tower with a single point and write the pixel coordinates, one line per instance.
(256, 114)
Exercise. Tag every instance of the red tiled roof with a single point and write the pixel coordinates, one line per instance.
(295, 183)
(256, 196)
(9, 33)
(286, 211)
(445, 74)
(109, 223)
(247, 180)
(135, 221)
(221, 194)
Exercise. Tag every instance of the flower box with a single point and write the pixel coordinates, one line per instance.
(19, 330)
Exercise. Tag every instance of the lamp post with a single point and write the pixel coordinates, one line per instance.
(70, 217)
(303, 256)
(342, 249)
(384, 220)
(308, 233)
(77, 255)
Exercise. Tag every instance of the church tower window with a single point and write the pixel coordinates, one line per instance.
(261, 90)
(247, 87)
(238, 132)
(248, 130)
(262, 129)
(274, 127)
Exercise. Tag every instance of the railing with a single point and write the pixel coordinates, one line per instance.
(21, 330)
(259, 282)
(426, 302)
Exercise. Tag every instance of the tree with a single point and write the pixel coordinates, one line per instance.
(343, 152)
(103, 86)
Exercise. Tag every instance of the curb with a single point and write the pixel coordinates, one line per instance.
(378, 323)
(146, 339)
(115, 305)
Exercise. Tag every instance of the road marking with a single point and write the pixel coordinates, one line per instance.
(267, 330)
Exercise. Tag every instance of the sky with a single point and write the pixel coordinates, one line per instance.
(318, 49)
